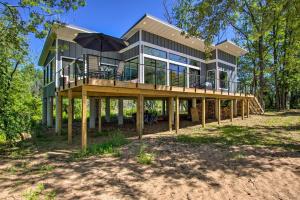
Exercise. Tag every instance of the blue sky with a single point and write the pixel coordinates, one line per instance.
(112, 17)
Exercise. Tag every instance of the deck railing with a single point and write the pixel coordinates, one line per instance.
(89, 66)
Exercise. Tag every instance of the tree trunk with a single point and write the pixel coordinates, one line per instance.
(261, 71)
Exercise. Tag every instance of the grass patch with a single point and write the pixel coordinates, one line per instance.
(109, 147)
(143, 157)
(106, 133)
(39, 193)
(46, 169)
(241, 135)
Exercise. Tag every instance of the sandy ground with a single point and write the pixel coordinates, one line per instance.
(179, 171)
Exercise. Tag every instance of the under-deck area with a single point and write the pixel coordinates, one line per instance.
(202, 106)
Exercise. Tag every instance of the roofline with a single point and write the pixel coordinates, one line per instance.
(144, 16)
(50, 36)
(231, 42)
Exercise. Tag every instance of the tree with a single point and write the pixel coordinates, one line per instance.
(257, 24)
(17, 74)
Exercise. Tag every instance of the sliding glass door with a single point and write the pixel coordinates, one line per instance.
(177, 75)
(155, 71)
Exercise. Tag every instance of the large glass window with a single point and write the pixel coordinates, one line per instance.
(223, 79)
(177, 75)
(155, 71)
(194, 75)
(177, 58)
(155, 52)
(194, 62)
(131, 70)
(211, 78)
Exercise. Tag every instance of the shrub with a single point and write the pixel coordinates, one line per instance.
(143, 157)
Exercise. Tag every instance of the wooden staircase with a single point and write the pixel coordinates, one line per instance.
(255, 107)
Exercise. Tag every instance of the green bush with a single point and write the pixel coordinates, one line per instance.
(143, 157)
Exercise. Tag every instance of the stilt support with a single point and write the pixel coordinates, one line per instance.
(177, 114)
(243, 109)
(99, 116)
(219, 110)
(203, 112)
(231, 110)
(140, 115)
(84, 120)
(248, 108)
(59, 113)
(70, 116)
(171, 112)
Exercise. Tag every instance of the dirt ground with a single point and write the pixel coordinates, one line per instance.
(255, 158)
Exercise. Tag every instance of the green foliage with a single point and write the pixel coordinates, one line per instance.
(269, 30)
(143, 157)
(39, 193)
(239, 135)
(109, 147)
(20, 91)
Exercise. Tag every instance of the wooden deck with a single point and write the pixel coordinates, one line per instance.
(109, 88)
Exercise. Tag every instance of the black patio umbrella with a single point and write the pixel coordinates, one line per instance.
(100, 42)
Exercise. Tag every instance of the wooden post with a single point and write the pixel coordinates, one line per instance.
(70, 116)
(107, 109)
(120, 111)
(194, 102)
(219, 111)
(248, 108)
(99, 116)
(83, 119)
(140, 115)
(216, 109)
(177, 114)
(243, 109)
(235, 113)
(170, 106)
(59, 113)
(231, 110)
(203, 112)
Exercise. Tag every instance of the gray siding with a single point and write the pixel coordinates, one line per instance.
(134, 38)
(169, 44)
(226, 57)
(203, 72)
(73, 50)
(130, 53)
(49, 90)
(211, 66)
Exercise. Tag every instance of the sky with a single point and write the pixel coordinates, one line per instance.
(112, 17)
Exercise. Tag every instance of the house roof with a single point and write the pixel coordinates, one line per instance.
(229, 46)
(65, 32)
(164, 29)
(148, 23)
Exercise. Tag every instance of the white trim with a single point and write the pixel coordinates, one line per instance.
(141, 60)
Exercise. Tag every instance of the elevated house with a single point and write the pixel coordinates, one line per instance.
(158, 63)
